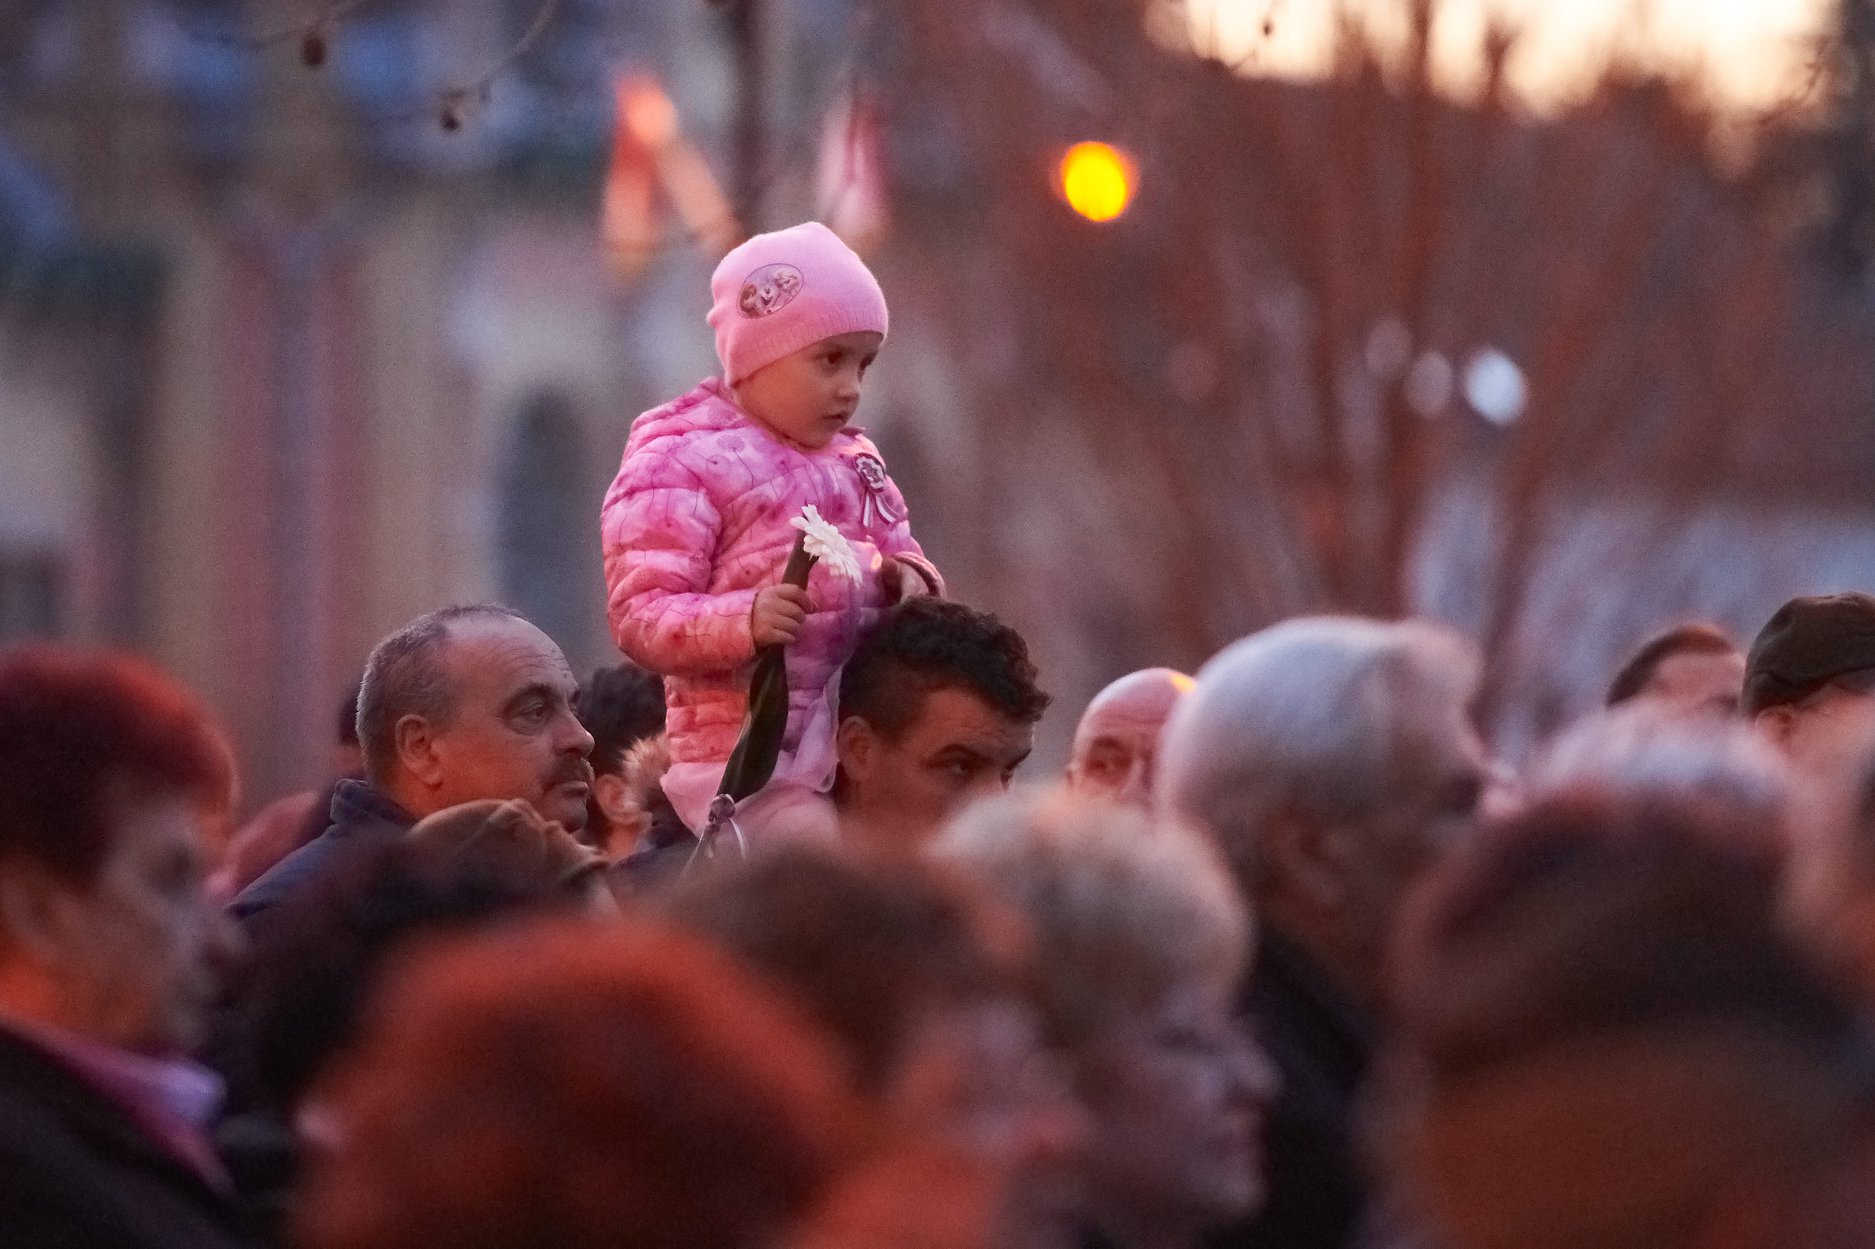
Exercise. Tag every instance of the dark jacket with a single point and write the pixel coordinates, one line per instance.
(78, 1172)
(1322, 1044)
(362, 818)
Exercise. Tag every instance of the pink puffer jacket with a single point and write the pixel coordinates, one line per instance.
(698, 520)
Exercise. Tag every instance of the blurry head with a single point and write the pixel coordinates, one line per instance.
(461, 870)
(474, 702)
(938, 706)
(1604, 1039)
(110, 774)
(620, 706)
(1646, 751)
(511, 842)
(922, 979)
(1690, 668)
(1810, 682)
(1333, 759)
(576, 1086)
(1116, 745)
(1141, 937)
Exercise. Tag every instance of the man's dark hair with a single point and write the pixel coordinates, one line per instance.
(404, 677)
(81, 730)
(927, 644)
(1697, 638)
(620, 706)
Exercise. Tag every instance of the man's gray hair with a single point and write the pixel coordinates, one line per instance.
(1647, 753)
(1318, 716)
(404, 677)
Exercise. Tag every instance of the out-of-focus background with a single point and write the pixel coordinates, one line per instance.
(1549, 318)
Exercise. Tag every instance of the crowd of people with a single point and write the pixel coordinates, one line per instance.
(1284, 959)
(750, 942)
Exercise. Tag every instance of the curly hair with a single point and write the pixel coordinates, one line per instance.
(927, 644)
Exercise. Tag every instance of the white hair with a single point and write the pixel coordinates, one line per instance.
(1124, 909)
(1649, 753)
(1315, 716)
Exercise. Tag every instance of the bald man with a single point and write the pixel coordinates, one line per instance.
(1117, 743)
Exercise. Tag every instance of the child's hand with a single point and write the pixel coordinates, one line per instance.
(902, 581)
(778, 614)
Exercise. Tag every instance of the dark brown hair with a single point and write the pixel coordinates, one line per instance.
(1697, 638)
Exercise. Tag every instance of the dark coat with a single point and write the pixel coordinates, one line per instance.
(78, 1172)
(1322, 1044)
(362, 819)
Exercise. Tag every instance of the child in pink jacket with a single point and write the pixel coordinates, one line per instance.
(698, 524)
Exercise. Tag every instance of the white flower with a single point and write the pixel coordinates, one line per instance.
(827, 544)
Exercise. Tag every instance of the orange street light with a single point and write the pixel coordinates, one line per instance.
(1098, 180)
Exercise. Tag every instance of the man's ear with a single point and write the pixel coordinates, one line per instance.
(415, 741)
(1778, 724)
(1306, 859)
(612, 794)
(858, 745)
(35, 912)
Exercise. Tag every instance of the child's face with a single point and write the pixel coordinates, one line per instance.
(810, 396)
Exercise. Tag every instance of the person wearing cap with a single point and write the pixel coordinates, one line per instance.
(699, 523)
(1116, 744)
(1810, 681)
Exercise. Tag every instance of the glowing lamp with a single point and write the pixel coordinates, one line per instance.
(1098, 180)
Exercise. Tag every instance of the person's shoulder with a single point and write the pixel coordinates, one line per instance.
(693, 417)
(77, 1169)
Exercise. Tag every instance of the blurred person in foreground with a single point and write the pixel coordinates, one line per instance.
(1333, 760)
(1810, 683)
(1116, 744)
(459, 870)
(938, 706)
(1694, 668)
(461, 704)
(1645, 751)
(577, 1086)
(622, 707)
(109, 777)
(286, 824)
(921, 978)
(1606, 1039)
(1141, 940)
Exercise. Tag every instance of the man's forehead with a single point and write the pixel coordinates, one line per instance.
(1137, 703)
(504, 652)
(955, 716)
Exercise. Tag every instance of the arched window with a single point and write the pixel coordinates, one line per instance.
(547, 542)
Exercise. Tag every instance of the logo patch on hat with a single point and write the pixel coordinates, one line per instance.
(770, 289)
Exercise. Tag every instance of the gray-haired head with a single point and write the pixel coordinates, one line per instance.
(1327, 719)
(406, 675)
(1652, 753)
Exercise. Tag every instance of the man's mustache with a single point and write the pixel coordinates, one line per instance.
(577, 770)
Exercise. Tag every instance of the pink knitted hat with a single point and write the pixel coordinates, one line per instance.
(780, 292)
